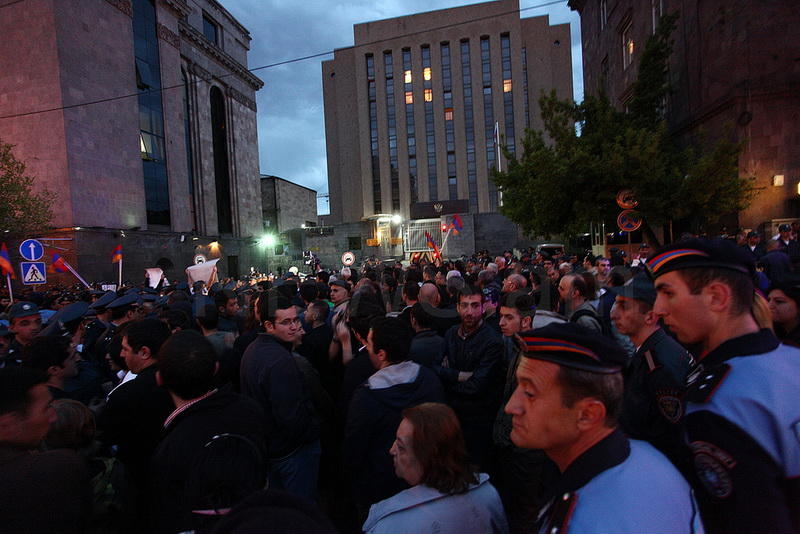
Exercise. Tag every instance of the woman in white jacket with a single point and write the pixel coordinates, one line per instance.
(447, 495)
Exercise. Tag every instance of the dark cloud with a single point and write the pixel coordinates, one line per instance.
(291, 123)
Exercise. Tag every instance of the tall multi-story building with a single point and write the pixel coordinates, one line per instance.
(140, 115)
(734, 71)
(412, 110)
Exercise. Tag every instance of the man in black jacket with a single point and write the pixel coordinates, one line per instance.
(375, 410)
(470, 369)
(135, 411)
(186, 368)
(270, 376)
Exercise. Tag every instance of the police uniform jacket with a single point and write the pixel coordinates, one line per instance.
(654, 389)
(743, 427)
(620, 486)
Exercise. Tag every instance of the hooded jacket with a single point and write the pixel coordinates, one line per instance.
(372, 421)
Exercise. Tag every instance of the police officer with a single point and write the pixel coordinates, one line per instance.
(123, 309)
(96, 328)
(25, 323)
(742, 414)
(566, 403)
(655, 378)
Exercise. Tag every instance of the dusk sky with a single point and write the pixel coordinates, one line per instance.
(291, 120)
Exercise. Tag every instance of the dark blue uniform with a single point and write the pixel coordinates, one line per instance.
(743, 427)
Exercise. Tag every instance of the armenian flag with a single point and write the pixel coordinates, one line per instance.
(432, 244)
(456, 224)
(5, 262)
(59, 265)
(116, 256)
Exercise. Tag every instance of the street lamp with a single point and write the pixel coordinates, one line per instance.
(266, 242)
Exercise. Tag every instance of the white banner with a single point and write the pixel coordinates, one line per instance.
(203, 272)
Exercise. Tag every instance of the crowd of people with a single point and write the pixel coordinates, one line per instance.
(525, 392)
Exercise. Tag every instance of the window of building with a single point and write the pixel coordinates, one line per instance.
(411, 141)
(506, 86)
(657, 10)
(525, 87)
(628, 46)
(373, 135)
(428, 95)
(448, 114)
(151, 113)
(469, 126)
(426, 74)
(391, 126)
(488, 116)
(430, 133)
(603, 12)
(354, 242)
(210, 29)
(508, 97)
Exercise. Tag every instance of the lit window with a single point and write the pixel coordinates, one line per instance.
(506, 86)
(409, 97)
(407, 76)
(628, 46)
(426, 73)
(428, 95)
(448, 114)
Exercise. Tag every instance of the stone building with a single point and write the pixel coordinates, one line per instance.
(412, 110)
(287, 205)
(734, 70)
(140, 115)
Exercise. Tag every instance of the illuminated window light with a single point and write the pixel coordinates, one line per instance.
(426, 73)
(409, 97)
(448, 114)
(777, 180)
(506, 86)
(407, 76)
(630, 46)
(428, 95)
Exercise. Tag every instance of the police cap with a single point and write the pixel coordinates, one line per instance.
(23, 309)
(130, 299)
(640, 287)
(701, 253)
(575, 346)
(104, 301)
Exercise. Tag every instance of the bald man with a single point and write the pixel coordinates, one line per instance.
(430, 299)
(514, 282)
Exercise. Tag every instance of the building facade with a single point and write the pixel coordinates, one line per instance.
(413, 108)
(287, 205)
(734, 71)
(140, 115)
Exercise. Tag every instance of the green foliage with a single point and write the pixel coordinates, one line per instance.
(22, 211)
(563, 180)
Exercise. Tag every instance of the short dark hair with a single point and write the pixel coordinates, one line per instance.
(468, 291)
(208, 316)
(15, 385)
(270, 302)
(606, 388)
(438, 444)
(150, 333)
(309, 291)
(520, 301)
(45, 352)
(120, 311)
(741, 284)
(392, 335)
(411, 290)
(322, 309)
(360, 313)
(187, 364)
(221, 298)
(422, 317)
(175, 319)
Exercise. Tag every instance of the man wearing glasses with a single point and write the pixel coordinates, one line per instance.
(270, 376)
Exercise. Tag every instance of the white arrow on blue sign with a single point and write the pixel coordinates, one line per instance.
(31, 250)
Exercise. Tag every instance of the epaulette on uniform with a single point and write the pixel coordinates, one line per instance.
(707, 383)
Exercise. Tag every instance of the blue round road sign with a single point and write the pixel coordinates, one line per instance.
(31, 250)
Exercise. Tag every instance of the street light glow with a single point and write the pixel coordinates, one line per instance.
(267, 240)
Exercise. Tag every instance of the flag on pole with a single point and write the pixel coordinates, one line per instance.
(116, 256)
(432, 244)
(5, 262)
(59, 265)
(456, 224)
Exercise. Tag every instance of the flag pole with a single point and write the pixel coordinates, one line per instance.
(119, 285)
(10, 291)
(73, 271)
(444, 241)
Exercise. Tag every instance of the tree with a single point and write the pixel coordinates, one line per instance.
(569, 178)
(22, 210)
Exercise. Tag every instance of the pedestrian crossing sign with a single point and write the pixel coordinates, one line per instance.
(33, 272)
